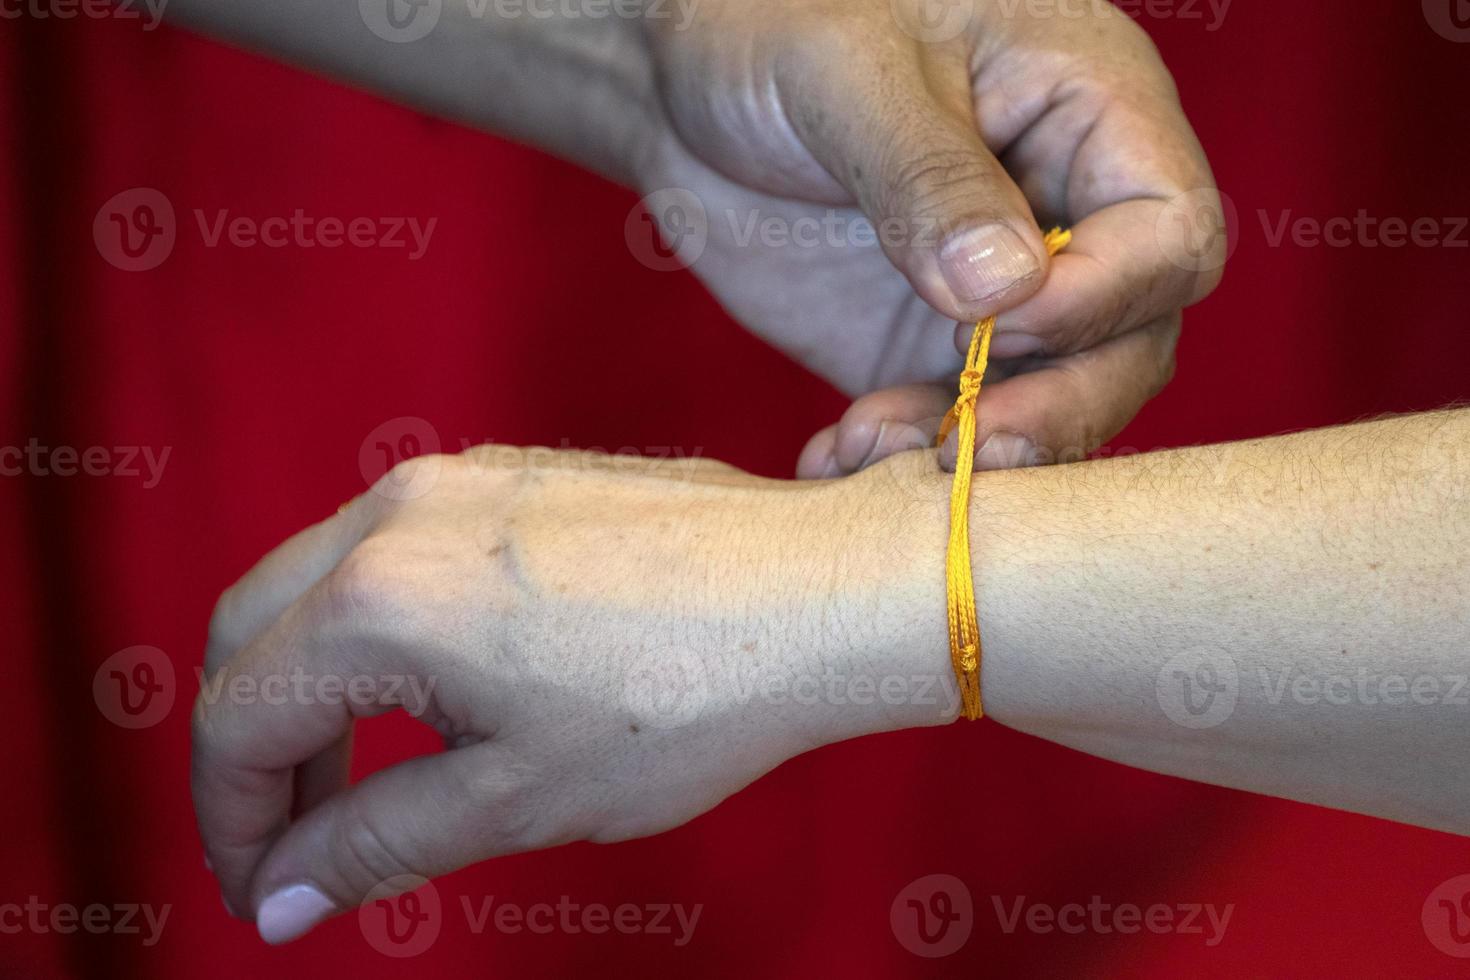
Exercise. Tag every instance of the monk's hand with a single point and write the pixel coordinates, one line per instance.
(608, 647)
(854, 177)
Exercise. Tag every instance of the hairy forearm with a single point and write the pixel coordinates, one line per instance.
(577, 86)
(1288, 615)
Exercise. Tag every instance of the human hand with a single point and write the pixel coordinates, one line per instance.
(595, 638)
(820, 114)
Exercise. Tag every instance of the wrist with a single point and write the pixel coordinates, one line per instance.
(899, 511)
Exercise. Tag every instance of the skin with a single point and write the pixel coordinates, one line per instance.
(612, 646)
(817, 114)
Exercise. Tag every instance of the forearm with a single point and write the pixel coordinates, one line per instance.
(1287, 616)
(577, 86)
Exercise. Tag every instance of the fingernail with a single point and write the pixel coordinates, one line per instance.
(894, 437)
(873, 449)
(985, 261)
(291, 912)
(1015, 345)
(1006, 451)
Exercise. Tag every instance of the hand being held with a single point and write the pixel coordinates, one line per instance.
(595, 639)
(959, 132)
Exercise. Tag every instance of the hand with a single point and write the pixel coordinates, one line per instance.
(597, 639)
(817, 113)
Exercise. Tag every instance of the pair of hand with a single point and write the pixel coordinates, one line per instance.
(608, 652)
(955, 132)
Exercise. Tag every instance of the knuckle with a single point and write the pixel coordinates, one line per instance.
(506, 804)
(366, 854)
(933, 180)
(224, 633)
(374, 580)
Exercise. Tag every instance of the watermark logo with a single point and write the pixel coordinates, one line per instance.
(933, 916)
(1195, 230)
(134, 688)
(392, 442)
(1450, 19)
(37, 459)
(675, 920)
(667, 687)
(1198, 688)
(402, 916)
(1446, 917)
(66, 919)
(1104, 918)
(1211, 13)
(400, 21)
(933, 21)
(667, 230)
(1363, 230)
(136, 229)
(148, 11)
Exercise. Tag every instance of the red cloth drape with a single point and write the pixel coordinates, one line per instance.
(261, 370)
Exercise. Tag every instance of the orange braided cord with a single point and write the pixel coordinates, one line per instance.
(964, 628)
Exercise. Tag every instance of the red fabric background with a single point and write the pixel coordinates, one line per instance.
(264, 370)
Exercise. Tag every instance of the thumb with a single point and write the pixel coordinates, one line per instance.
(416, 820)
(901, 136)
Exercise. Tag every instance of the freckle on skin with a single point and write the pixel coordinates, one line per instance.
(633, 729)
(748, 646)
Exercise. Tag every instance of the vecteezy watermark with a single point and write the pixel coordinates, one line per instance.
(1201, 687)
(128, 462)
(1196, 230)
(670, 687)
(1446, 916)
(1211, 13)
(1206, 920)
(1450, 19)
(933, 21)
(1363, 687)
(1363, 230)
(150, 12)
(134, 688)
(670, 229)
(95, 918)
(408, 691)
(666, 687)
(409, 437)
(566, 916)
(1198, 688)
(396, 441)
(136, 230)
(403, 917)
(932, 916)
(406, 21)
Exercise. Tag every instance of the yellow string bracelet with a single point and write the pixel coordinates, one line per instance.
(964, 629)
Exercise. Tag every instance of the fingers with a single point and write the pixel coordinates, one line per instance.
(1113, 154)
(289, 697)
(415, 820)
(1122, 270)
(1070, 406)
(278, 580)
(1058, 411)
(875, 427)
(901, 136)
